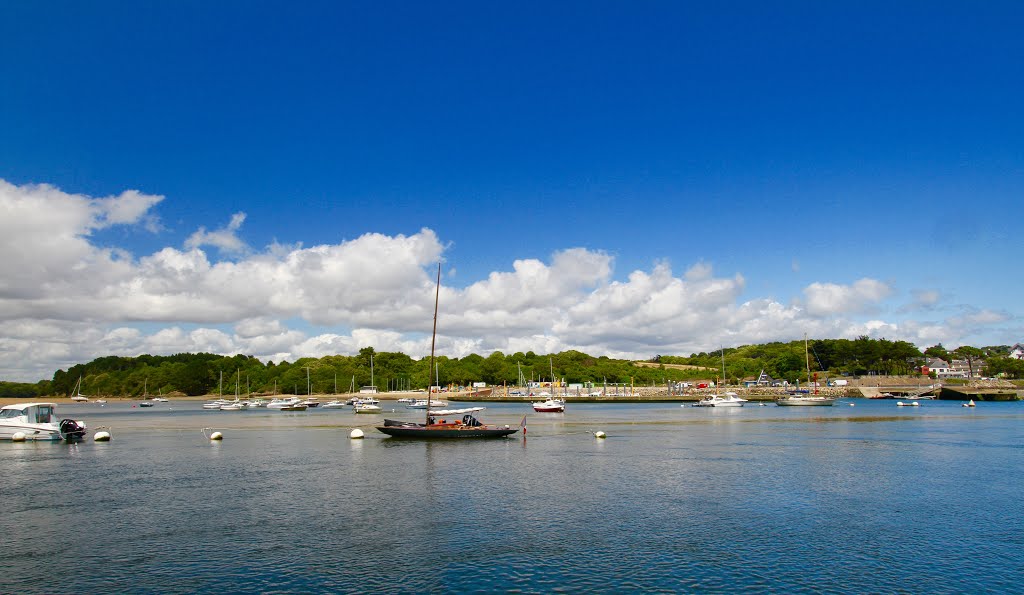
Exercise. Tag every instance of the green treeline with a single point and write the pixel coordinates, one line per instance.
(202, 373)
(205, 373)
(839, 357)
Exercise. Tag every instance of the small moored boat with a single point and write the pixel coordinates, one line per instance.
(468, 426)
(551, 405)
(729, 399)
(37, 421)
(366, 408)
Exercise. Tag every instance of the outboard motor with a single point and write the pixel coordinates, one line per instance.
(72, 430)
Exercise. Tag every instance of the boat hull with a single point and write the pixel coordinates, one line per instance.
(550, 406)
(47, 432)
(799, 402)
(421, 432)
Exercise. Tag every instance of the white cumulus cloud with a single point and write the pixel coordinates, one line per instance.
(66, 300)
(828, 299)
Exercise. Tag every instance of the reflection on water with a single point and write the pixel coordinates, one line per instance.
(675, 499)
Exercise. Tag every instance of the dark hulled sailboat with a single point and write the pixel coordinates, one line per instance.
(466, 427)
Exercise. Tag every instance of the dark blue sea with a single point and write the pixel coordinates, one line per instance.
(870, 498)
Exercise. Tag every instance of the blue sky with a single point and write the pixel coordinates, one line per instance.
(676, 176)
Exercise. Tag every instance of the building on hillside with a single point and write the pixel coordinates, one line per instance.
(961, 368)
(936, 366)
(763, 379)
(1017, 351)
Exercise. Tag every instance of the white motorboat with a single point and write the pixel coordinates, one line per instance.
(283, 403)
(910, 404)
(805, 400)
(729, 399)
(37, 421)
(335, 404)
(423, 404)
(366, 408)
(550, 405)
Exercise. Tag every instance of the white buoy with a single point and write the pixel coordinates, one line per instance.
(216, 436)
(355, 434)
(101, 436)
(852, 404)
(18, 437)
(599, 434)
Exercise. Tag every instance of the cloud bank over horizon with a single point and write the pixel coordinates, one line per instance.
(65, 298)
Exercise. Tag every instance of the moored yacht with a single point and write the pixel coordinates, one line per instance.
(366, 408)
(283, 403)
(729, 399)
(550, 405)
(423, 403)
(805, 400)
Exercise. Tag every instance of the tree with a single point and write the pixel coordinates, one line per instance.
(194, 378)
(971, 354)
(937, 351)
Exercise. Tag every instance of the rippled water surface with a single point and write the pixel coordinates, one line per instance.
(870, 498)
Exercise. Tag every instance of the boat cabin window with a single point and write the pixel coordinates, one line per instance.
(10, 413)
(43, 414)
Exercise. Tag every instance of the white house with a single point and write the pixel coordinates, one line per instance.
(1017, 351)
(938, 366)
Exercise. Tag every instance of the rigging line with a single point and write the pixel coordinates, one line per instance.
(817, 359)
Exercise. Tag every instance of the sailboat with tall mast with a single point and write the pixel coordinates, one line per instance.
(806, 399)
(552, 404)
(77, 392)
(432, 429)
(729, 399)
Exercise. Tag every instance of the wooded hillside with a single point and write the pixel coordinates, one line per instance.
(202, 373)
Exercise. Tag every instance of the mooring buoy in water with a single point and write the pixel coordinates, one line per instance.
(599, 434)
(212, 434)
(18, 437)
(101, 436)
(355, 434)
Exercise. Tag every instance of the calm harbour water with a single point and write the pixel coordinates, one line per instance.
(866, 499)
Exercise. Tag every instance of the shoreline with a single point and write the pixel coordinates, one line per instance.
(636, 395)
